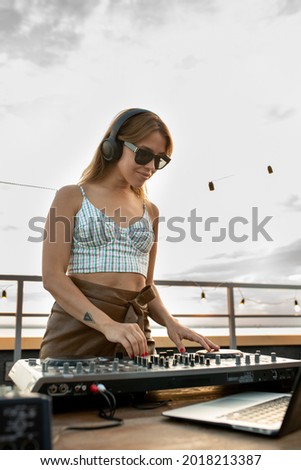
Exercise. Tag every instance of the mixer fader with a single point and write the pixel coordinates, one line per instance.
(76, 376)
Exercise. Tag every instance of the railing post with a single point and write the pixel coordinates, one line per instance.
(231, 315)
(18, 332)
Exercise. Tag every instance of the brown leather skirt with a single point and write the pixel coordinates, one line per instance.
(66, 336)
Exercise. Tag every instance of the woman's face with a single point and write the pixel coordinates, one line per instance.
(135, 174)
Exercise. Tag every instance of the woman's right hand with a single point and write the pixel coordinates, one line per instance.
(129, 335)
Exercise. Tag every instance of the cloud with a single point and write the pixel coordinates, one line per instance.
(42, 32)
(293, 203)
(279, 113)
(156, 13)
(8, 228)
(275, 266)
(188, 62)
(289, 7)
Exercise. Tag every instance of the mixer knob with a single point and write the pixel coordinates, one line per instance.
(166, 363)
(44, 366)
(149, 365)
(174, 361)
(207, 361)
(161, 361)
(237, 360)
(66, 368)
(115, 365)
(156, 360)
(192, 362)
(79, 367)
(144, 361)
(32, 362)
(247, 359)
(273, 357)
(257, 358)
(186, 361)
(92, 367)
(202, 359)
(197, 358)
(218, 359)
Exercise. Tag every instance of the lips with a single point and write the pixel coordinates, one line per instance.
(145, 175)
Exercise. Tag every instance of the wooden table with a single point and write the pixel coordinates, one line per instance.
(146, 429)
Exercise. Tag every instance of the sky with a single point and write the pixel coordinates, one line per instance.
(225, 77)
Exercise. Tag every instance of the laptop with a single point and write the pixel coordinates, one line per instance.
(268, 413)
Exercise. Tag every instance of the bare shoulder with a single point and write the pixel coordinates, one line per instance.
(68, 196)
(152, 209)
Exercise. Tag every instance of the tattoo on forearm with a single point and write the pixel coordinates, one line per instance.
(88, 317)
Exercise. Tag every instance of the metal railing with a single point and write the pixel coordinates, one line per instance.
(229, 286)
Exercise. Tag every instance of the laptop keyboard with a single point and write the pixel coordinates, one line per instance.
(269, 412)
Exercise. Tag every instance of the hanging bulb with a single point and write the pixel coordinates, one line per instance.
(211, 186)
(203, 297)
(297, 306)
(242, 303)
(4, 296)
(270, 169)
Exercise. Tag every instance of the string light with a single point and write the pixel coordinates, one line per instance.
(211, 183)
(242, 303)
(27, 185)
(4, 292)
(203, 297)
(270, 169)
(296, 306)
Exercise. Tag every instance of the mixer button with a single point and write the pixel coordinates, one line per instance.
(257, 358)
(218, 359)
(237, 360)
(247, 359)
(273, 357)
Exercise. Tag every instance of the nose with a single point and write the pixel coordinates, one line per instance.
(151, 165)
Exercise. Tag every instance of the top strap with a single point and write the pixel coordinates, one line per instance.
(82, 191)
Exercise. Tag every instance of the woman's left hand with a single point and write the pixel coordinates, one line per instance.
(178, 332)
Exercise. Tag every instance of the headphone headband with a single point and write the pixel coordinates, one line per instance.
(111, 147)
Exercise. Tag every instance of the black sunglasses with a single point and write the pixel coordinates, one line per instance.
(143, 156)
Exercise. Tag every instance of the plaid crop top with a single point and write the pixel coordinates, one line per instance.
(99, 244)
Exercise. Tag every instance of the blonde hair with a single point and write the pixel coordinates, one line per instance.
(134, 129)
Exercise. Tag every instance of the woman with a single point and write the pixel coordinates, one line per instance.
(100, 247)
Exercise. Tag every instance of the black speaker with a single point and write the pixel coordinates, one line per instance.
(112, 148)
(25, 421)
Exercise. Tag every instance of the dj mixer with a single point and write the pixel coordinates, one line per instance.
(166, 370)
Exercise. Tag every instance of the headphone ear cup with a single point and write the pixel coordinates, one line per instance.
(111, 149)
